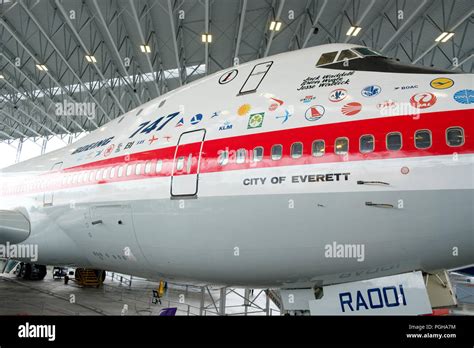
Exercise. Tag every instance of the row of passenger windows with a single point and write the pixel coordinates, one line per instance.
(393, 142)
(149, 167)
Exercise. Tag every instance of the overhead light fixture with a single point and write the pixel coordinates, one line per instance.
(145, 48)
(445, 36)
(206, 38)
(1, 76)
(353, 31)
(91, 59)
(41, 67)
(275, 25)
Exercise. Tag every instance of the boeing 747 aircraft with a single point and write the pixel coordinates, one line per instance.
(330, 168)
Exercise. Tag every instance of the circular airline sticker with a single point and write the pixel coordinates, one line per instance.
(423, 100)
(314, 113)
(442, 83)
(350, 109)
(109, 150)
(228, 76)
(196, 119)
(337, 95)
(371, 91)
(465, 96)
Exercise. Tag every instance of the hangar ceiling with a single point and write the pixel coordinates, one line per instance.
(44, 44)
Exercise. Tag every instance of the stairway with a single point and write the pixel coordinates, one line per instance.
(89, 277)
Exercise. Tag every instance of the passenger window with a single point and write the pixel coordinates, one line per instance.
(258, 154)
(98, 175)
(423, 139)
(394, 141)
(327, 58)
(455, 136)
(277, 151)
(241, 155)
(138, 169)
(148, 167)
(120, 172)
(105, 173)
(129, 169)
(159, 166)
(92, 176)
(180, 163)
(223, 158)
(318, 148)
(341, 146)
(112, 172)
(366, 143)
(296, 150)
(346, 54)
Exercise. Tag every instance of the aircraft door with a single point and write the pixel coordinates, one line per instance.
(49, 196)
(186, 165)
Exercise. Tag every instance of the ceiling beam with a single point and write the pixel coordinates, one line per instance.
(272, 34)
(361, 19)
(315, 23)
(241, 28)
(86, 52)
(23, 45)
(143, 42)
(175, 42)
(406, 25)
(452, 29)
(112, 47)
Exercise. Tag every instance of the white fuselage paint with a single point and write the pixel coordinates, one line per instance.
(263, 234)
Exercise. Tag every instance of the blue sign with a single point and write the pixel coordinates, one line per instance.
(371, 91)
(196, 119)
(465, 96)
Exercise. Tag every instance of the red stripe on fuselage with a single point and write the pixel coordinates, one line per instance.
(436, 122)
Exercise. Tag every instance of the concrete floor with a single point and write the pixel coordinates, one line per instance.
(53, 297)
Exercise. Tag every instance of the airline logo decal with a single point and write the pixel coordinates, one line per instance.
(464, 96)
(328, 80)
(275, 105)
(285, 117)
(338, 95)
(256, 120)
(180, 122)
(152, 139)
(371, 91)
(109, 150)
(404, 88)
(423, 100)
(350, 109)
(93, 145)
(228, 76)
(314, 113)
(196, 119)
(386, 104)
(226, 126)
(244, 109)
(442, 83)
(308, 99)
(215, 114)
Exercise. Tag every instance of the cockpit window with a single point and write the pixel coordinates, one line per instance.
(327, 58)
(366, 52)
(346, 54)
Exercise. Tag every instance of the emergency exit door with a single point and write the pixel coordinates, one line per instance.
(186, 165)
